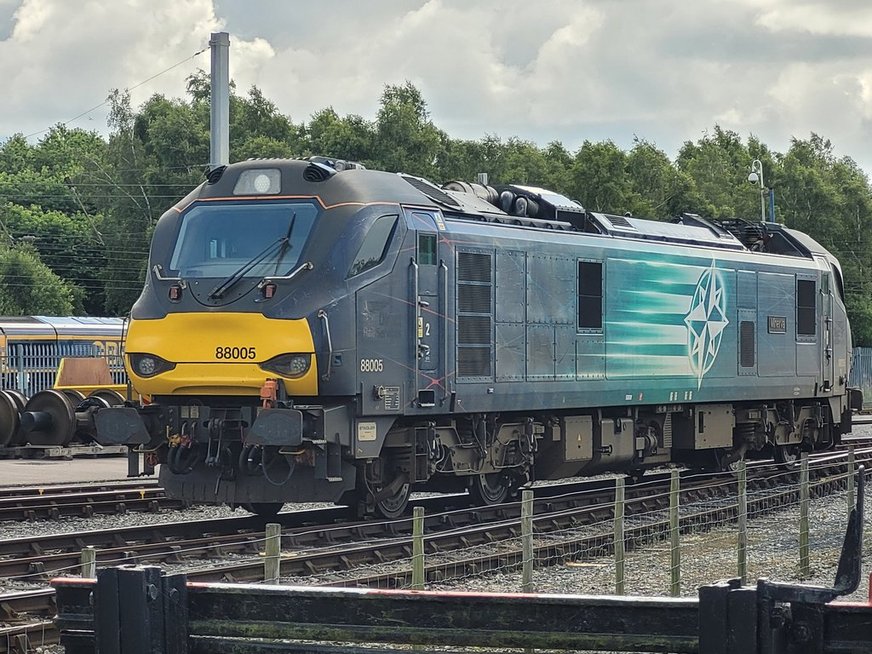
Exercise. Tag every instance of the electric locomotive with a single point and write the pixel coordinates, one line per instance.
(310, 330)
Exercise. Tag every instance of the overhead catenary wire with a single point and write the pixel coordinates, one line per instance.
(131, 88)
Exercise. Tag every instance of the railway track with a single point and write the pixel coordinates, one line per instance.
(338, 553)
(322, 540)
(48, 555)
(318, 544)
(33, 503)
(26, 620)
(73, 488)
(449, 535)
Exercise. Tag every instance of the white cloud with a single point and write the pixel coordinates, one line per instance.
(552, 69)
(62, 57)
(832, 18)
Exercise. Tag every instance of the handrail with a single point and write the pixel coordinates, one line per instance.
(322, 314)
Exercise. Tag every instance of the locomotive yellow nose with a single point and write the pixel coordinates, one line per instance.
(220, 354)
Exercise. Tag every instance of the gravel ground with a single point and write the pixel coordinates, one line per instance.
(707, 555)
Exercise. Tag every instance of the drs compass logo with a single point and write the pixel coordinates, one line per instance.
(706, 321)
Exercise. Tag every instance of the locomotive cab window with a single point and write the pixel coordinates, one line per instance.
(375, 245)
(805, 307)
(216, 239)
(590, 295)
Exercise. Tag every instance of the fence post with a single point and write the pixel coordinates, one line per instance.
(675, 568)
(89, 563)
(619, 536)
(273, 548)
(803, 517)
(418, 548)
(851, 473)
(742, 544)
(527, 541)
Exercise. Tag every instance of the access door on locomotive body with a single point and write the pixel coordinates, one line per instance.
(429, 285)
(402, 327)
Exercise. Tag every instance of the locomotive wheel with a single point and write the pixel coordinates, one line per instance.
(786, 456)
(264, 509)
(17, 397)
(113, 398)
(489, 489)
(394, 506)
(53, 418)
(9, 419)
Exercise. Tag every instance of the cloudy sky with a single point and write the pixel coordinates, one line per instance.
(570, 70)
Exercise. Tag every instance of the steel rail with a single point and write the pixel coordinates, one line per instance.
(553, 518)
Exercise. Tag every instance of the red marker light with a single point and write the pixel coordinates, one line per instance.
(175, 293)
(269, 290)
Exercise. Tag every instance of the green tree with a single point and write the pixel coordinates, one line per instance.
(829, 198)
(48, 197)
(29, 287)
(406, 139)
(718, 166)
(351, 138)
(657, 189)
(131, 208)
(599, 177)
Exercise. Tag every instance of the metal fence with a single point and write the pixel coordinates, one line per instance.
(140, 610)
(861, 374)
(31, 366)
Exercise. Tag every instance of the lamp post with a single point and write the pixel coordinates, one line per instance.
(755, 177)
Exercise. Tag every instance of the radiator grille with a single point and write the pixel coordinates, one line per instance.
(474, 267)
(473, 299)
(474, 315)
(474, 362)
(474, 330)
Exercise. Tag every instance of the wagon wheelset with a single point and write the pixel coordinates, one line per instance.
(108, 396)
(75, 397)
(18, 397)
(10, 418)
(49, 418)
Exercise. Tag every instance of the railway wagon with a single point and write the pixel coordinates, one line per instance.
(31, 348)
(315, 331)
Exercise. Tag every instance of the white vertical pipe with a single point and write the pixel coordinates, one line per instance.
(219, 125)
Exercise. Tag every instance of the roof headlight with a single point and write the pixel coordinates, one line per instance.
(262, 183)
(149, 365)
(289, 365)
(258, 181)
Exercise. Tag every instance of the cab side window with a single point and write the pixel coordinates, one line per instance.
(375, 245)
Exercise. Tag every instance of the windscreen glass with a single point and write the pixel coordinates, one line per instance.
(215, 240)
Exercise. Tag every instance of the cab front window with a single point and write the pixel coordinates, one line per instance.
(216, 239)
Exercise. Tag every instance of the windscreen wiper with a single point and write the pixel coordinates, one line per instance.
(282, 243)
(286, 245)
